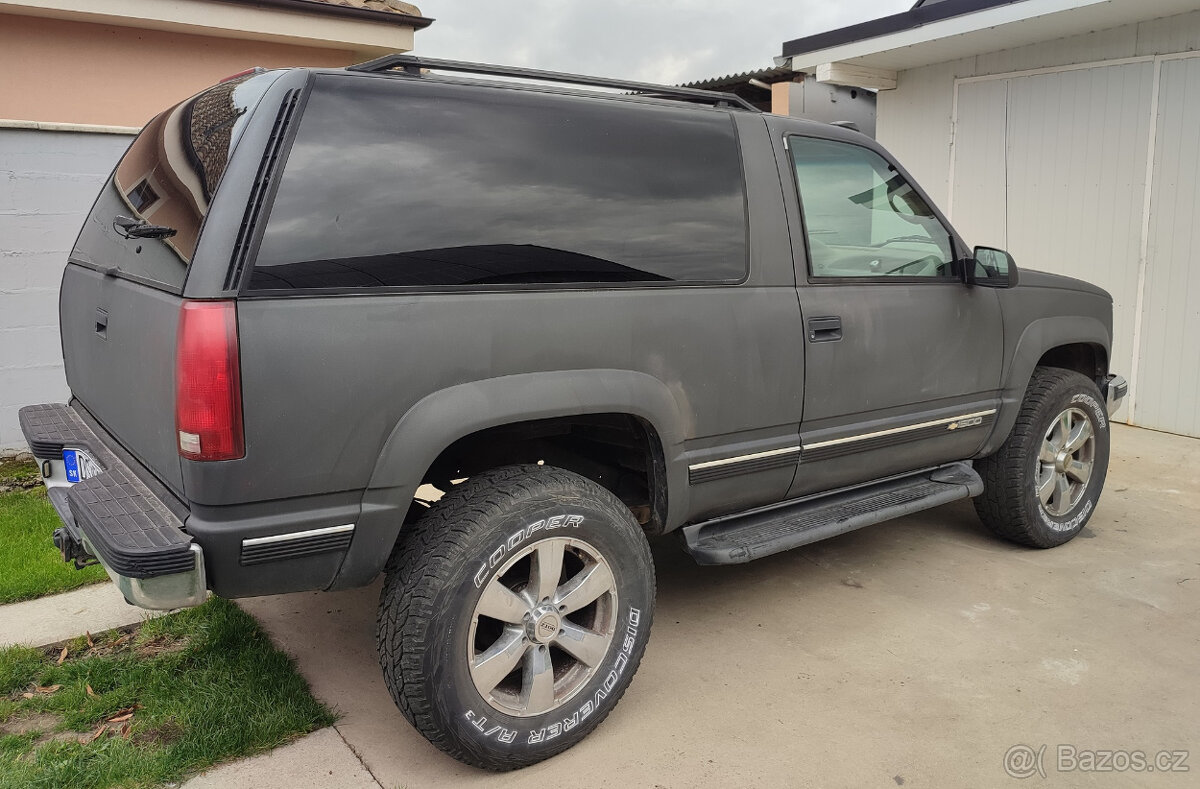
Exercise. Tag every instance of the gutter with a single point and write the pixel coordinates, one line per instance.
(349, 12)
(915, 17)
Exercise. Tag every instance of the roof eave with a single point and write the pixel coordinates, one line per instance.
(344, 11)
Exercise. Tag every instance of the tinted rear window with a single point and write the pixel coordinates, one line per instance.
(168, 177)
(393, 184)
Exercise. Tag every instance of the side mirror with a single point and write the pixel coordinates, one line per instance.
(992, 268)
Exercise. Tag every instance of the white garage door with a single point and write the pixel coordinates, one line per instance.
(48, 181)
(1168, 370)
(1053, 167)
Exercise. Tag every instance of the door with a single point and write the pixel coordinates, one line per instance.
(902, 361)
(1052, 167)
(1167, 366)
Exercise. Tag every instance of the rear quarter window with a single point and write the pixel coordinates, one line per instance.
(169, 176)
(396, 184)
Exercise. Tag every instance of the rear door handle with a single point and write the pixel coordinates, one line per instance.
(825, 329)
(102, 323)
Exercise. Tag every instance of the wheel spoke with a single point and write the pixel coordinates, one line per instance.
(547, 567)
(498, 661)
(1063, 428)
(1062, 494)
(1079, 471)
(500, 602)
(588, 584)
(537, 682)
(1045, 488)
(584, 645)
(1079, 436)
(1048, 452)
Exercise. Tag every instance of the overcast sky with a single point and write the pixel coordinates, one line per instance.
(668, 41)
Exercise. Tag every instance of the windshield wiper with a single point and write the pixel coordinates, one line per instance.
(907, 239)
(140, 228)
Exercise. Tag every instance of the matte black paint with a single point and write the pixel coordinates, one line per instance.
(350, 395)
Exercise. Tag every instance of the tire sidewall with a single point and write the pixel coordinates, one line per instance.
(455, 701)
(1086, 398)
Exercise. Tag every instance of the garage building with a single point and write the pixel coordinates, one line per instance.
(1068, 133)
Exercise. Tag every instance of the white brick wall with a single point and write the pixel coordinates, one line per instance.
(48, 180)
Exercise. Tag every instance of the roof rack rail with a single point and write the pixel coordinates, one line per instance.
(412, 64)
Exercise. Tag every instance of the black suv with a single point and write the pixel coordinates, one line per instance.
(487, 337)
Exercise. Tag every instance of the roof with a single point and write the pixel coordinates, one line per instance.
(385, 11)
(767, 75)
(934, 31)
(920, 14)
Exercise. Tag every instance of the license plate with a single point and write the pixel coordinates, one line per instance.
(80, 465)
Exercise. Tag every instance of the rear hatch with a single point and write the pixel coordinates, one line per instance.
(122, 290)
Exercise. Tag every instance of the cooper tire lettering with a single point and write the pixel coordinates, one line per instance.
(474, 543)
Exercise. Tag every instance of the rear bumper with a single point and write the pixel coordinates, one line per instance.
(1114, 388)
(114, 516)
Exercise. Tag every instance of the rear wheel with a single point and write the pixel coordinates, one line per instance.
(1042, 485)
(516, 614)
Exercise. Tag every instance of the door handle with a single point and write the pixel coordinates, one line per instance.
(824, 329)
(102, 323)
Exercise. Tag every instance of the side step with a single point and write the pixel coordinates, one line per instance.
(736, 539)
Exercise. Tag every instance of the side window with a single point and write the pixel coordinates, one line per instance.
(863, 219)
(394, 184)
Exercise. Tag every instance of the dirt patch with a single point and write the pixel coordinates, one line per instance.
(26, 722)
(164, 734)
(103, 644)
(18, 475)
(42, 724)
(161, 645)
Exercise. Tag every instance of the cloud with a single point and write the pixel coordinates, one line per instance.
(665, 42)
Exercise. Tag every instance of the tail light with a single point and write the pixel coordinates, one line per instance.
(208, 385)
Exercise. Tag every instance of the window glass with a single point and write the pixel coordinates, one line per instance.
(398, 183)
(862, 217)
(168, 177)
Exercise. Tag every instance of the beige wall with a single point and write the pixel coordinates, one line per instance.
(73, 72)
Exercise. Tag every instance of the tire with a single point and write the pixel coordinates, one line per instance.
(1057, 402)
(474, 560)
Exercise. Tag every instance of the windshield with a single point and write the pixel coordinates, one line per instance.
(168, 178)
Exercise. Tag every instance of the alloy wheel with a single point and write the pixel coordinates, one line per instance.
(542, 625)
(1064, 463)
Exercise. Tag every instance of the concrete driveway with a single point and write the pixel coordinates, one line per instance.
(910, 653)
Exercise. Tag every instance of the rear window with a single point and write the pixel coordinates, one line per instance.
(392, 184)
(168, 177)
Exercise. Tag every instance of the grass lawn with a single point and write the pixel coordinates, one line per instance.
(151, 704)
(29, 563)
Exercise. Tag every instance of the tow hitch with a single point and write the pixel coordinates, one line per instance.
(72, 549)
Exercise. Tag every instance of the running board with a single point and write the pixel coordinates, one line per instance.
(736, 539)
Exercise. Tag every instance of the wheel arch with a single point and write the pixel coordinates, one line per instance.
(1075, 342)
(439, 420)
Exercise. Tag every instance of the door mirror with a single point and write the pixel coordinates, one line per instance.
(992, 268)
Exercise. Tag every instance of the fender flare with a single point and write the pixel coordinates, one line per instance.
(441, 418)
(1039, 336)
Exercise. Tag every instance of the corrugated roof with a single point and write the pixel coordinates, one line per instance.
(768, 75)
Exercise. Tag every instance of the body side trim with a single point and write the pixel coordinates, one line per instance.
(894, 430)
(298, 535)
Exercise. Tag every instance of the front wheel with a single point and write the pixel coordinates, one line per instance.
(516, 614)
(1042, 485)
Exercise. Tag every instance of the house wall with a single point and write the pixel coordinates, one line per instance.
(67, 78)
(76, 72)
(914, 120)
(818, 101)
(1080, 156)
(48, 181)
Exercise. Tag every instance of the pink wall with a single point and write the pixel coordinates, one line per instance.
(73, 72)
